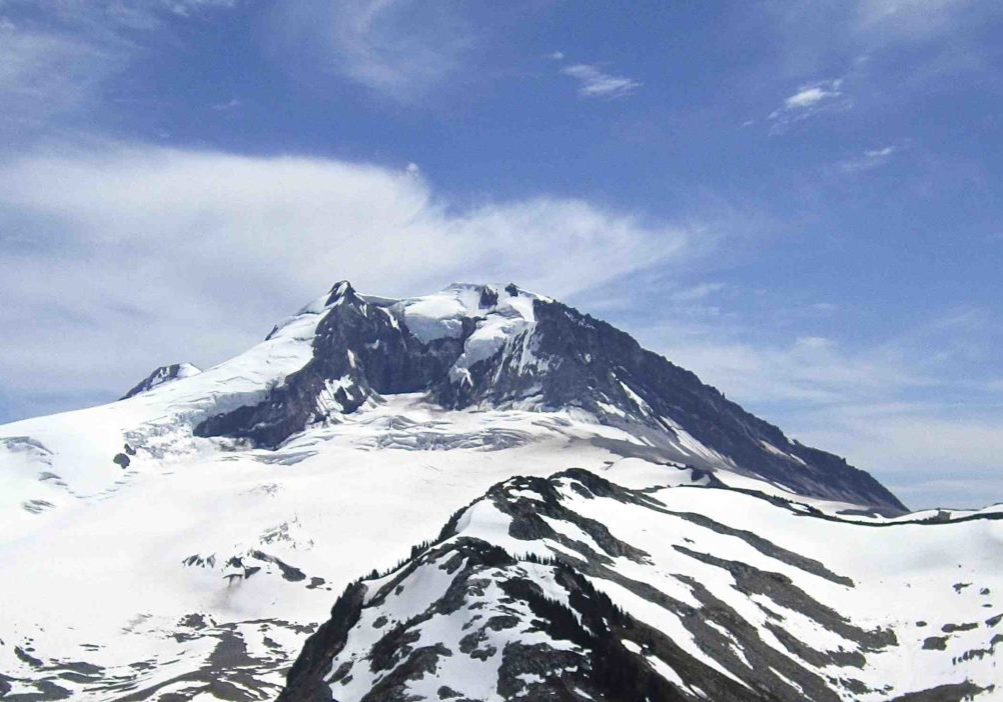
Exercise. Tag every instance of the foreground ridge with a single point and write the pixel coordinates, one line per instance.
(575, 588)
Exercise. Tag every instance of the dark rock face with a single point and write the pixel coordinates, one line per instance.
(363, 349)
(591, 364)
(360, 350)
(161, 375)
(306, 678)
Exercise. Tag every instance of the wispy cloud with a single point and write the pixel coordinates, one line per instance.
(823, 308)
(810, 96)
(915, 403)
(400, 49)
(44, 73)
(227, 106)
(896, 46)
(696, 293)
(594, 82)
(186, 8)
(934, 455)
(809, 100)
(868, 160)
(916, 20)
(809, 370)
(58, 63)
(882, 153)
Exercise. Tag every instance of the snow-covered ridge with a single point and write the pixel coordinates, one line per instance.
(154, 424)
(602, 591)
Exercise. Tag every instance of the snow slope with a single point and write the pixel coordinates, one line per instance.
(112, 578)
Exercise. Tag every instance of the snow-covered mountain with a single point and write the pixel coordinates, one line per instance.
(545, 511)
(503, 348)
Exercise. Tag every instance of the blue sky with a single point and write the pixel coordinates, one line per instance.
(799, 201)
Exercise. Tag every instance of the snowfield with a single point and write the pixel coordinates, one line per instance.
(144, 561)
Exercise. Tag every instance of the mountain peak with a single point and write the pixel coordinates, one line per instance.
(483, 345)
(342, 290)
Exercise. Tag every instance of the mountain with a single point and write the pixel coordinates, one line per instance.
(484, 346)
(544, 509)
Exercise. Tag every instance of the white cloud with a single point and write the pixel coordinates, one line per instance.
(400, 49)
(596, 83)
(807, 371)
(880, 153)
(824, 308)
(995, 385)
(894, 47)
(117, 259)
(869, 160)
(948, 446)
(809, 100)
(186, 8)
(808, 97)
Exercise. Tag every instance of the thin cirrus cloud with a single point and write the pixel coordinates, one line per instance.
(918, 20)
(227, 106)
(145, 255)
(58, 63)
(45, 73)
(399, 49)
(594, 82)
(868, 160)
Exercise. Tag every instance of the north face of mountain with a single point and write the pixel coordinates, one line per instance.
(502, 347)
